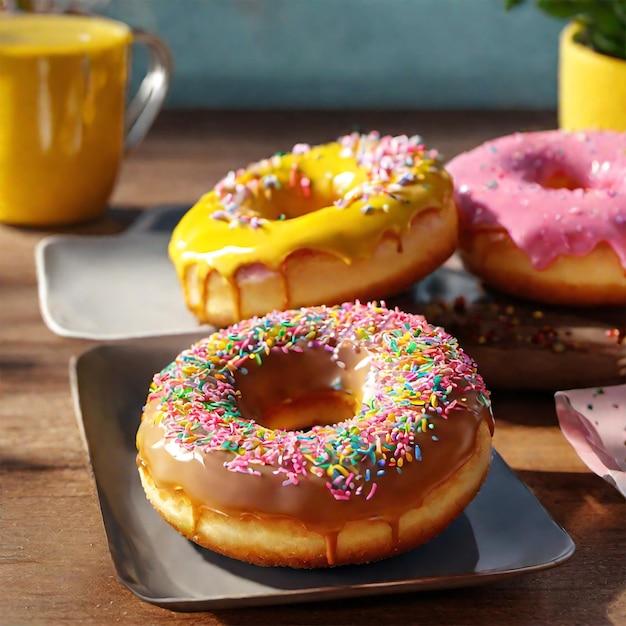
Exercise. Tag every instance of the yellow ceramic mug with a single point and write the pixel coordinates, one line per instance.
(64, 125)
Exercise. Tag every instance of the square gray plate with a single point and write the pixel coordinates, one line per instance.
(108, 287)
(504, 532)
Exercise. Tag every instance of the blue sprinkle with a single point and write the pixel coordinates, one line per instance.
(380, 472)
(435, 438)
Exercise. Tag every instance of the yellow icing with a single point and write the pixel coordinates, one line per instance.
(311, 220)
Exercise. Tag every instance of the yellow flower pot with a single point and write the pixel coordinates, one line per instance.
(592, 86)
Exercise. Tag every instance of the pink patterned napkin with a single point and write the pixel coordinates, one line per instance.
(594, 422)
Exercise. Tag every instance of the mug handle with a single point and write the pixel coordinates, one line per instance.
(147, 102)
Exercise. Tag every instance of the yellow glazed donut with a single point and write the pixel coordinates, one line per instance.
(543, 215)
(316, 437)
(362, 217)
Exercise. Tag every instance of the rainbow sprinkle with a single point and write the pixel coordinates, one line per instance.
(413, 371)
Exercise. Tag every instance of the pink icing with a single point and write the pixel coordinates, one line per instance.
(504, 184)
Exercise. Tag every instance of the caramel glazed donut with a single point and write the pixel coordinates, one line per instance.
(316, 437)
(359, 218)
(543, 215)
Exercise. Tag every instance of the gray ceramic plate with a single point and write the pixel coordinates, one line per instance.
(505, 531)
(108, 287)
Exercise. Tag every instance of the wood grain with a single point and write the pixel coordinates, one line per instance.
(55, 566)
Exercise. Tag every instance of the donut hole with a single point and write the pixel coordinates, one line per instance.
(560, 179)
(305, 189)
(299, 390)
(286, 204)
(550, 174)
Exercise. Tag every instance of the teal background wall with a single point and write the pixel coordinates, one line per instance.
(248, 54)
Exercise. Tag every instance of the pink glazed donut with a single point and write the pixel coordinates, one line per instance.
(543, 215)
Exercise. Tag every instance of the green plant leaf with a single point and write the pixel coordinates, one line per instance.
(606, 45)
(619, 9)
(603, 21)
(511, 4)
(606, 20)
(563, 8)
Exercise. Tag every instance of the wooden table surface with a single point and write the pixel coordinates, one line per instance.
(55, 565)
